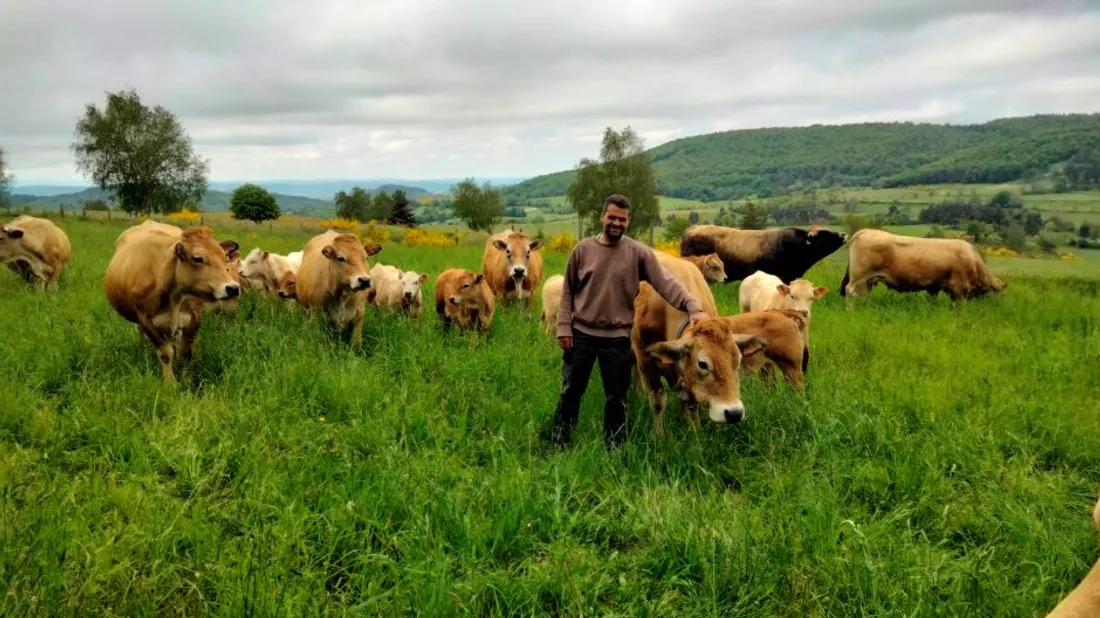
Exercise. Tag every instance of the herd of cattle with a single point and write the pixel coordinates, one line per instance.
(162, 278)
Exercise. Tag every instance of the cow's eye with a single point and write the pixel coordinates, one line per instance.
(703, 366)
(342, 259)
(196, 259)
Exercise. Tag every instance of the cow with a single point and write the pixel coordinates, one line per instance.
(232, 266)
(1084, 600)
(785, 252)
(288, 286)
(161, 277)
(714, 271)
(657, 322)
(264, 269)
(551, 302)
(761, 291)
(464, 297)
(909, 264)
(333, 278)
(294, 259)
(512, 265)
(784, 333)
(394, 288)
(35, 249)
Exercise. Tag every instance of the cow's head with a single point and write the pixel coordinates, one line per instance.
(468, 291)
(517, 248)
(800, 294)
(410, 287)
(348, 262)
(11, 242)
(821, 242)
(255, 264)
(712, 267)
(203, 266)
(708, 364)
(287, 286)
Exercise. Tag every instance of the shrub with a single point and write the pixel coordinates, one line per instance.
(375, 233)
(428, 238)
(562, 242)
(670, 247)
(674, 228)
(337, 223)
(184, 216)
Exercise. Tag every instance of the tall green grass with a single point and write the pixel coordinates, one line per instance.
(943, 462)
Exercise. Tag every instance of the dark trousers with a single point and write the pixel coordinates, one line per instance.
(615, 357)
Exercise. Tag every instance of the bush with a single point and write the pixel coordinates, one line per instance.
(427, 238)
(1047, 245)
(935, 232)
(669, 247)
(254, 203)
(674, 228)
(562, 242)
(184, 216)
(375, 233)
(337, 223)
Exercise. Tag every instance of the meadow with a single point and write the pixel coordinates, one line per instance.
(942, 462)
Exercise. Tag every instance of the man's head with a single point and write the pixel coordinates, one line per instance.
(616, 217)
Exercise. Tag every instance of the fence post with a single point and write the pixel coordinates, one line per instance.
(61, 209)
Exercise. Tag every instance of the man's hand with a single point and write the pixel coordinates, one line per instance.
(697, 317)
(566, 343)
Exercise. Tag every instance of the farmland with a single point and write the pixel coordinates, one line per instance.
(942, 462)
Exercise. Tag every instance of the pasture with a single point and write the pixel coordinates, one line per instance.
(943, 462)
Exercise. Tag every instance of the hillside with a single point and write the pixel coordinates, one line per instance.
(771, 161)
(214, 201)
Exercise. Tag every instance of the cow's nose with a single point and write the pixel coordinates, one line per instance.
(232, 291)
(363, 283)
(519, 271)
(734, 414)
(408, 295)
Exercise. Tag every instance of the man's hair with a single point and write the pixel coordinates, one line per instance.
(617, 200)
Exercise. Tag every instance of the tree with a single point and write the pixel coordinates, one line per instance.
(140, 154)
(675, 228)
(1084, 231)
(624, 168)
(402, 211)
(480, 207)
(693, 217)
(753, 216)
(354, 206)
(254, 203)
(381, 208)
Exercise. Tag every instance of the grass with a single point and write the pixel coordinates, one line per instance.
(942, 463)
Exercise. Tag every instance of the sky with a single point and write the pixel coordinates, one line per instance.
(453, 88)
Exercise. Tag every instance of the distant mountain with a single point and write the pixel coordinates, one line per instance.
(47, 190)
(214, 201)
(770, 161)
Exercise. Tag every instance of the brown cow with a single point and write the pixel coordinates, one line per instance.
(160, 277)
(1084, 600)
(35, 249)
(909, 264)
(287, 286)
(334, 278)
(464, 297)
(656, 321)
(714, 271)
(512, 264)
(784, 330)
(232, 266)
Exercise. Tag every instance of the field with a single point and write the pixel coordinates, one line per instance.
(942, 462)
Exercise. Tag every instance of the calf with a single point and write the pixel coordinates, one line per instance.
(762, 292)
(393, 288)
(464, 297)
(264, 269)
(35, 249)
(784, 331)
(160, 277)
(512, 265)
(333, 278)
(714, 271)
(551, 302)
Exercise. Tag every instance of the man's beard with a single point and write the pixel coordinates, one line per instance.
(612, 233)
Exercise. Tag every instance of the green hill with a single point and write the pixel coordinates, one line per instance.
(772, 161)
(213, 201)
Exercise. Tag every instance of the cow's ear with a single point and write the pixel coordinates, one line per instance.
(783, 289)
(181, 252)
(478, 279)
(536, 244)
(423, 278)
(669, 351)
(231, 248)
(749, 344)
(264, 254)
(329, 251)
(372, 248)
(820, 291)
(500, 244)
(14, 233)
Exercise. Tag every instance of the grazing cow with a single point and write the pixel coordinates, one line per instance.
(1084, 600)
(784, 332)
(785, 252)
(160, 277)
(232, 266)
(512, 264)
(656, 322)
(762, 292)
(35, 249)
(909, 264)
(714, 271)
(551, 302)
(333, 278)
(464, 297)
(294, 259)
(264, 269)
(288, 286)
(394, 288)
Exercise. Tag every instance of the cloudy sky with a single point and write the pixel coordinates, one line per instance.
(450, 88)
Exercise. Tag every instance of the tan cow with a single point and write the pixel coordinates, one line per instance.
(714, 271)
(656, 321)
(333, 278)
(761, 291)
(784, 330)
(909, 264)
(1084, 600)
(35, 249)
(264, 269)
(232, 266)
(512, 264)
(464, 297)
(288, 286)
(551, 302)
(396, 289)
(160, 277)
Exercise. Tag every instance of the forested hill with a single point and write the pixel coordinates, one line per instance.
(766, 162)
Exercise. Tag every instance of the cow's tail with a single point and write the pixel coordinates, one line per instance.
(844, 282)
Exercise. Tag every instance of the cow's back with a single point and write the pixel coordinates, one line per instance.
(314, 275)
(142, 254)
(654, 319)
(551, 299)
(385, 283)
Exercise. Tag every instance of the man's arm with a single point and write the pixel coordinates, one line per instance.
(669, 288)
(565, 309)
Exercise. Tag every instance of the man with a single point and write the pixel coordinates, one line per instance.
(596, 316)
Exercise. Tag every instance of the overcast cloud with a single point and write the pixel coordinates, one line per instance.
(450, 88)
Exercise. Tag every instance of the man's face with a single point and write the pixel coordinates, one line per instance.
(615, 221)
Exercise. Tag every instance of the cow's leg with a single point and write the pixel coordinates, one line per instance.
(188, 332)
(793, 373)
(650, 380)
(54, 281)
(357, 329)
(530, 301)
(163, 345)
